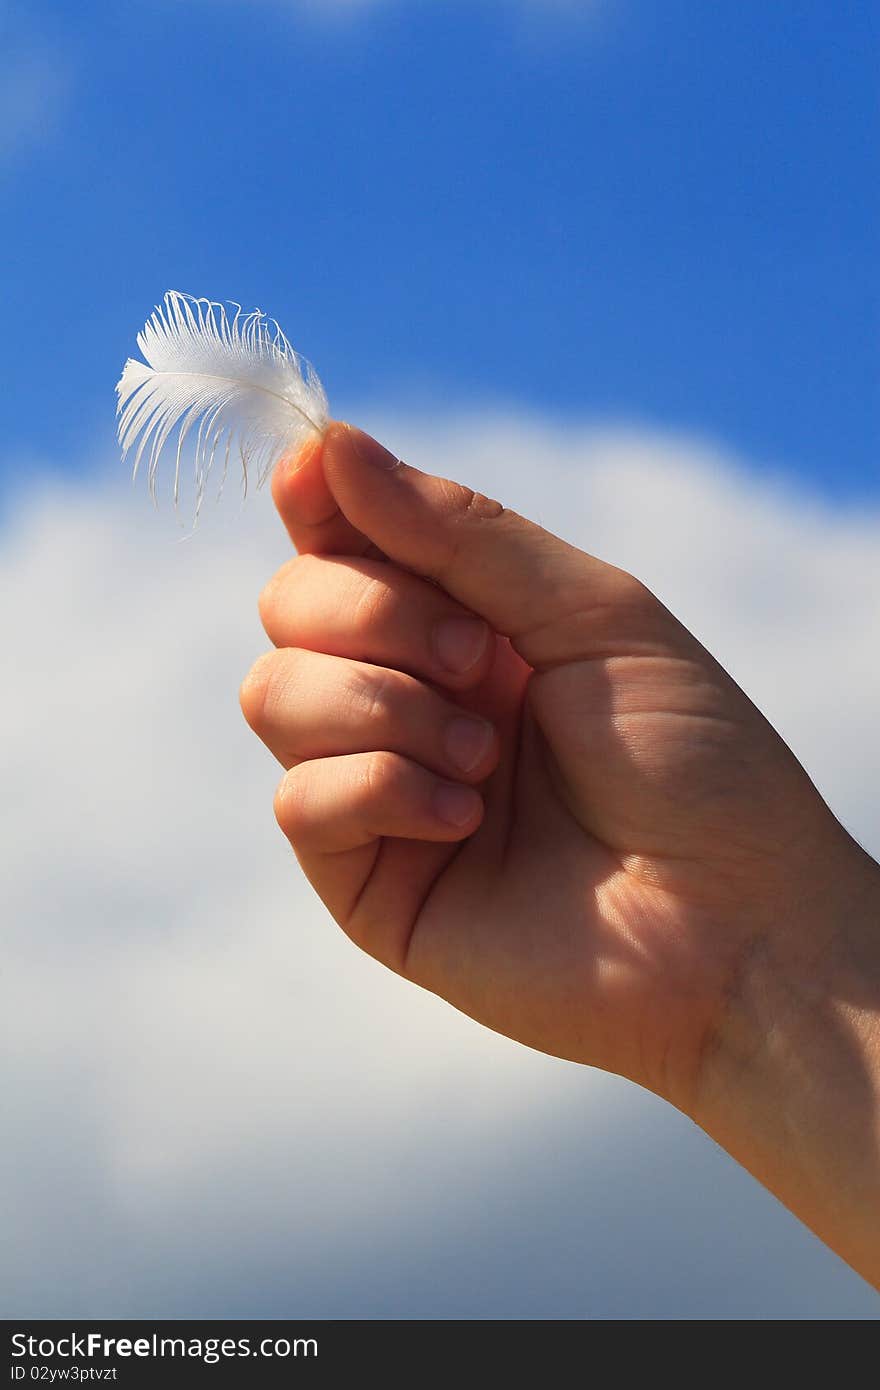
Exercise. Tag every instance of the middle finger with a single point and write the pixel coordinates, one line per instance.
(370, 610)
(307, 705)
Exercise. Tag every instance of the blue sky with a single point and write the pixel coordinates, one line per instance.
(660, 214)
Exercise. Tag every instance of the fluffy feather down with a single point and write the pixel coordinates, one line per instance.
(238, 377)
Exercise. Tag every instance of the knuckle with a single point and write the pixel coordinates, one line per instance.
(486, 508)
(254, 689)
(302, 568)
(381, 775)
(456, 499)
(273, 594)
(303, 564)
(374, 602)
(461, 508)
(374, 698)
(632, 593)
(267, 691)
(267, 603)
(289, 804)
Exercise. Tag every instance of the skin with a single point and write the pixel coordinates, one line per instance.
(516, 779)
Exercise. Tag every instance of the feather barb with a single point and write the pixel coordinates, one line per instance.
(236, 378)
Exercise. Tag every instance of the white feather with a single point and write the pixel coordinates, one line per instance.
(238, 377)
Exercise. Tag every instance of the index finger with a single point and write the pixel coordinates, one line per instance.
(309, 510)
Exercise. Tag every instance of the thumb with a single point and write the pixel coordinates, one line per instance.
(554, 602)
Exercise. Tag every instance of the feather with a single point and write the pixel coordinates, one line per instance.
(238, 377)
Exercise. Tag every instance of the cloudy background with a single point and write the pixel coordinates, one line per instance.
(614, 272)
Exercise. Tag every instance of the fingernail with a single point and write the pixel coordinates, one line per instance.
(454, 804)
(468, 741)
(369, 450)
(460, 642)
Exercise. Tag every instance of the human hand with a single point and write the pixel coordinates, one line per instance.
(631, 843)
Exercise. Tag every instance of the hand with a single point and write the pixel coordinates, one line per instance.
(515, 778)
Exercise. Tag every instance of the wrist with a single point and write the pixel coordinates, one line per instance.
(790, 1084)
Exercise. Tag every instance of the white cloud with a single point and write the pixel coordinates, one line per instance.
(217, 1105)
